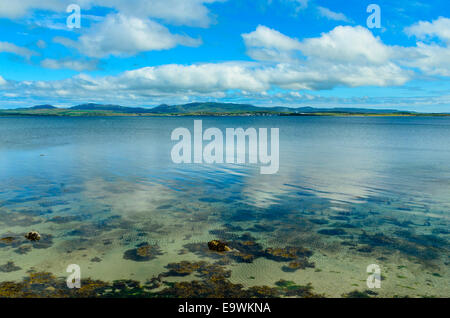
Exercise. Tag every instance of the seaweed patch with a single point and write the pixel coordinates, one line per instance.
(142, 253)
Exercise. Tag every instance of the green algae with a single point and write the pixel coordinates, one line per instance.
(288, 253)
(9, 267)
(289, 288)
(420, 247)
(298, 264)
(249, 248)
(212, 281)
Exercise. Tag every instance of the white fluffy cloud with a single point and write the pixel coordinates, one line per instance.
(120, 35)
(423, 30)
(128, 31)
(266, 44)
(270, 38)
(432, 58)
(344, 44)
(347, 44)
(197, 78)
(346, 56)
(343, 57)
(19, 50)
(209, 79)
(329, 61)
(348, 51)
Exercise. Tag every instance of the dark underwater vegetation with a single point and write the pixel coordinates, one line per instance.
(103, 194)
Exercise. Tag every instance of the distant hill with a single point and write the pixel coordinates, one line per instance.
(207, 108)
(114, 108)
(43, 107)
(211, 108)
(232, 108)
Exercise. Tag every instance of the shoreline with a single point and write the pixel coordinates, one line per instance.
(9, 113)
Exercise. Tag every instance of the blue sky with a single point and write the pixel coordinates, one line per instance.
(267, 52)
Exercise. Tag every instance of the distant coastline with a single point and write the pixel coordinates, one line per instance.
(203, 109)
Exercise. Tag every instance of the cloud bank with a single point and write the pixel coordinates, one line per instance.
(281, 66)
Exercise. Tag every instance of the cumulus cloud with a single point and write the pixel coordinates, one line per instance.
(266, 37)
(325, 62)
(18, 50)
(165, 80)
(128, 31)
(343, 44)
(331, 15)
(266, 44)
(349, 45)
(2, 81)
(324, 75)
(346, 56)
(77, 65)
(431, 58)
(210, 79)
(439, 28)
(119, 34)
(197, 78)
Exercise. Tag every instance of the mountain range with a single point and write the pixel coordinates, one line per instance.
(208, 108)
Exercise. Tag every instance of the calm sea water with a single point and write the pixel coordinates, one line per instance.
(354, 191)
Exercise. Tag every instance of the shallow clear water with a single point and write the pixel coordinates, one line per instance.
(353, 190)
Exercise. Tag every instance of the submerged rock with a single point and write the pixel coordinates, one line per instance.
(33, 236)
(218, 246)
(202, 250)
